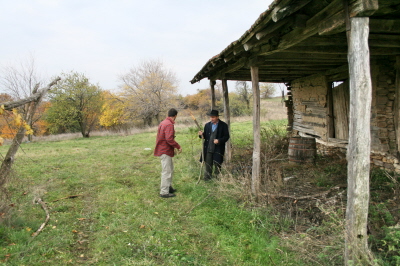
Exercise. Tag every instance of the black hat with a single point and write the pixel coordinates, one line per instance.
(213, 113)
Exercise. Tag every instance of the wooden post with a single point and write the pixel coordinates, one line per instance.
(255, 176)
(212, 86)
(358, 152)
(397, 105)
(329, 119)
(227, 116)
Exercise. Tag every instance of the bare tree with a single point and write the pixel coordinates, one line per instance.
(150, 88)
(243, 89)
(32, 103)
(267, 90)
(19, 81)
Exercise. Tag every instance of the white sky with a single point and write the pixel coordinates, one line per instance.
(104, 38)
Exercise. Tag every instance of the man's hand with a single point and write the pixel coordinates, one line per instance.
(216, 141)
(200, 133)
(180, 150)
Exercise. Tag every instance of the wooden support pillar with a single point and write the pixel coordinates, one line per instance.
(359, 148)
(212, 86)
(397, 105)
(255, 176)
(227, 116)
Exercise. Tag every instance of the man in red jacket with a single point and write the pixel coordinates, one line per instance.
(165, 145)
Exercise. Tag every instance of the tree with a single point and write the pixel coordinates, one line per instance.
(243, 89)
(19, 81)
(267, 90)
(75, 105)
(202, 100)
(150, 89)
(114, 115)
(32, 102)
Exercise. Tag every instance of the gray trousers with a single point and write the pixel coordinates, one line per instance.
(210, 164)
(167, 171)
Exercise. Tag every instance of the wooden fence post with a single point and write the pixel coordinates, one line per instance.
(358, 152)
(212, 86)
(255, 176)
(396, 109)
(227, 116)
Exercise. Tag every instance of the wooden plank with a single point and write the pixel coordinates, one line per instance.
(359, 148)
(396, 108)
(363, 8)
(333, 25)
(256, 168)
(390, 26)
(274, 27)
(329, 116)
(227, 116)
(341, 99)
(286, 9)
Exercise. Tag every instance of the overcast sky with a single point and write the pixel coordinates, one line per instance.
(104, 38)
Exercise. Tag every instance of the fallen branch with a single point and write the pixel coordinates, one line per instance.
(47, 217)
(303, 197)
(68, 197)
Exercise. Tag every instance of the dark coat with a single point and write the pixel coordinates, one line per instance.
(222, 136)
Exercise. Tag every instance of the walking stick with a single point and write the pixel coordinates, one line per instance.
(202, 145)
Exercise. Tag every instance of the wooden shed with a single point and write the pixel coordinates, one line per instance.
(304, 45)
(340, 60)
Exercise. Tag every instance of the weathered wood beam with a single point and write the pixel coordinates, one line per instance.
(286, 8)
(363, 8)
(256, 168)
(230, 68)
(381, 40)
(359, 148)
(271, 28)
(333, 25)
(325, 41)
(212, 87)
(384, 25)
(396, 108)
(340, 50)
(227, 116)
(305, 56)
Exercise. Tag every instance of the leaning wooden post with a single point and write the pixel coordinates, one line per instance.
(255, 176)
(358, 152)
(227, 117)
(397, 104)
(212, 86)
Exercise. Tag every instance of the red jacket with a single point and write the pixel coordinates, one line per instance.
(165, 142)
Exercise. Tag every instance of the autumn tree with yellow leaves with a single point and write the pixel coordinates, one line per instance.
(149, 90)
(114, 114)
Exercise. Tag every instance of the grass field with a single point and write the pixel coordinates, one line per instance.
(103, 197)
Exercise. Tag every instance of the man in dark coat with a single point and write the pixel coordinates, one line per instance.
(215, 135)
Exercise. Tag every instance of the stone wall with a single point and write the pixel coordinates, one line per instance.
(309, 105)
(310, 114)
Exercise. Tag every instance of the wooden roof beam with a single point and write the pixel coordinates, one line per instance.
(286, 8)
(384, 25)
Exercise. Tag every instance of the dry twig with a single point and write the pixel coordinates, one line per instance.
(47, 217)
(68, 197)
(303, 197)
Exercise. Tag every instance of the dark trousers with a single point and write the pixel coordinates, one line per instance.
(210, 164)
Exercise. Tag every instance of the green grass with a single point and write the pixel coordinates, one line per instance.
(118, 217)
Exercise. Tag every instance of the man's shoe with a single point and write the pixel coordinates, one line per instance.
(172, 190)
(169, 195)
